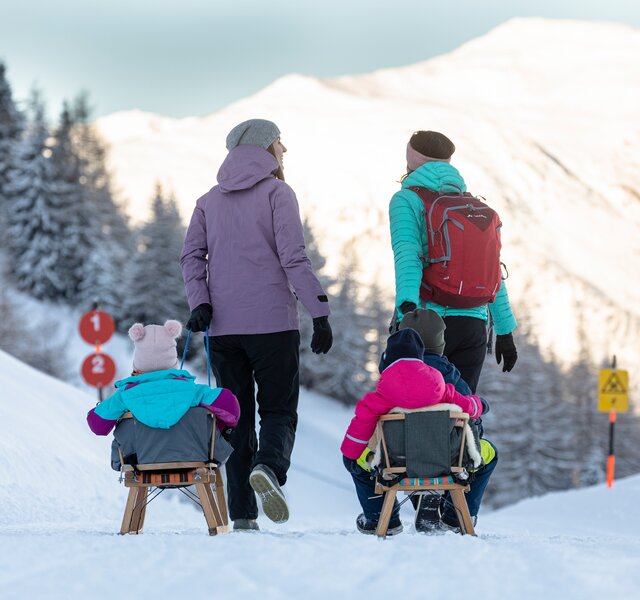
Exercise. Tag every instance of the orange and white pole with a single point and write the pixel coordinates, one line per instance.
(611, 459)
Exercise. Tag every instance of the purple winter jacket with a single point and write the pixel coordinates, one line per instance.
(244, 250)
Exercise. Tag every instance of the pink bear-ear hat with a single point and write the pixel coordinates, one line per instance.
(136, 331)
(173, 328)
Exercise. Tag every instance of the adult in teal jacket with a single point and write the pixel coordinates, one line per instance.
(428, 165)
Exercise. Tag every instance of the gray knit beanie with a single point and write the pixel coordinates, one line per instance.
(155, 346)
(429, 325)
(257, 132)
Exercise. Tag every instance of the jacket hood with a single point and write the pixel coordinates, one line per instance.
(155, 376)
(409, 383)
(437, 177)
(245, 166)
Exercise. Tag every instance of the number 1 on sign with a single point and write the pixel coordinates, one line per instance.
(95, 321)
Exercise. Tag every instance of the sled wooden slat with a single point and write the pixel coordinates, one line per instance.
(456, 490)
(170, 466)
(380, 489)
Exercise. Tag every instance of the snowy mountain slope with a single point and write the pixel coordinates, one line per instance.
(58, 540)
(544, 115)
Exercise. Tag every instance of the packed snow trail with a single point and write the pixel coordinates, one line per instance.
(61, 507)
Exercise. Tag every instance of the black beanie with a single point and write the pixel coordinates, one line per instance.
(432, 144)
(405, 343)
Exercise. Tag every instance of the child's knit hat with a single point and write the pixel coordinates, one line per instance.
(405, 343)
(155, 346)
(429, 324)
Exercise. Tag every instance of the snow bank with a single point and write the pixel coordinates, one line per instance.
(54, 470)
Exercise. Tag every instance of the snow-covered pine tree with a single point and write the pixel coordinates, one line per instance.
(310, 362)
(11, 127)
(581, 387)
(99, 213)
(154, 290)
(37, 216)
(531, 424)
(32, 343)
(342, 373)
(376, 317)
(76, 241)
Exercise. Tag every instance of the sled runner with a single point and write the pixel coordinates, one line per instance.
(147, 481)
(424, 451)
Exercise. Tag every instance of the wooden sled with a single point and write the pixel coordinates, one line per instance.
(414, 484)
(146, 482)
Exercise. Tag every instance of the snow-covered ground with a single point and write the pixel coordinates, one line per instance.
(61, 506)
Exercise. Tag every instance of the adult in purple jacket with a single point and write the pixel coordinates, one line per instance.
(244, 266)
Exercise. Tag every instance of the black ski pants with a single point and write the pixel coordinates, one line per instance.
(270, 361)
(465, 345)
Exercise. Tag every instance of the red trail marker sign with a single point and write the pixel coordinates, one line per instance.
(98, 370)
(96, 327)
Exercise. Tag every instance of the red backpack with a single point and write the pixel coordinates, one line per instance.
(463, 264)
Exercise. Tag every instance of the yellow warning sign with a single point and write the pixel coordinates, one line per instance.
(613, 390)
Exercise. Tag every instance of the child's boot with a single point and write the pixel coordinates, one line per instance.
(428, 513)
(368, 526)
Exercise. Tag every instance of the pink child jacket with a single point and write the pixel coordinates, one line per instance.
(406, 383)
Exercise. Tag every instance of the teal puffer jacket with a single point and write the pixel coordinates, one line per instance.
(409, 243)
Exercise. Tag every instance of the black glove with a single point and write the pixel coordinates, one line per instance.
(485, 406)
(226, 433)
(322, 339)
(407, 307)
(506, 348)
(200, 317)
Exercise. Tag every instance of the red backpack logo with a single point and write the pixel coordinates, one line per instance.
(463, 264)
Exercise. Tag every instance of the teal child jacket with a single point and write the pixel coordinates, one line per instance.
(158, 398)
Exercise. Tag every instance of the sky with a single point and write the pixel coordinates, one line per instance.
(193, 57)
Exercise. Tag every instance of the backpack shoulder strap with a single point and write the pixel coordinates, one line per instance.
(425, 194)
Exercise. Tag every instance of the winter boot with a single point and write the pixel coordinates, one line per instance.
(428, 513)
(245, 525)
(447, 526)
(369, 527)
(264, 483)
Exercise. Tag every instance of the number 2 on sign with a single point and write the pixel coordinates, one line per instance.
(97, 364)
(95, 320)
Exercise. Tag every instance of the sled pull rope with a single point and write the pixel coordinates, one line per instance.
(206, 333)
(186, 347)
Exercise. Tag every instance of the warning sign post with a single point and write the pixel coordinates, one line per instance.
(613, 390)
(613, 397)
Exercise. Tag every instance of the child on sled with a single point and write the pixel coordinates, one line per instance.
(430, 326)
(161, 396)
(406, 382)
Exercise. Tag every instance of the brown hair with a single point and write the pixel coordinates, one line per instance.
(279, 173)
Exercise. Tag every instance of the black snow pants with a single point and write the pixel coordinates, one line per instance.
(466, 346)
(270, 361)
